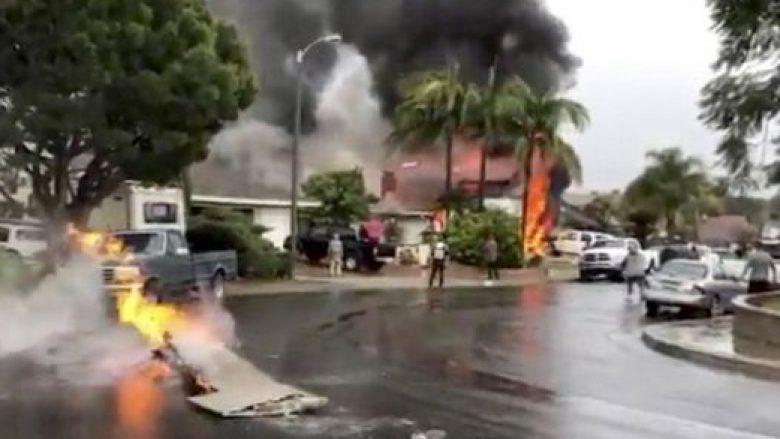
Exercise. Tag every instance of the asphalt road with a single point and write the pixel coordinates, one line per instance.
(560, 362)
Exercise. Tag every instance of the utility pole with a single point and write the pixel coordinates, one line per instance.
(300, 57)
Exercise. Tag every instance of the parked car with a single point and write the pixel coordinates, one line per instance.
(692, 284)
(163, 262)
(359, 253)
(574, 242)
(607, 258)
(23, 238)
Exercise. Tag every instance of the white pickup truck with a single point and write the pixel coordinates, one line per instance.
(607, 257)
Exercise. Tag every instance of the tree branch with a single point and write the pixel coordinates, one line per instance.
(7, 195)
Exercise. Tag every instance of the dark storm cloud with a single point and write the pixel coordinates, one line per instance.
(399, 37)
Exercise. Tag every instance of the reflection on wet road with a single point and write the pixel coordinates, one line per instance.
(536, 363)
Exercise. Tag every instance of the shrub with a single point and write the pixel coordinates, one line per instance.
(220, 229)
(467, 233)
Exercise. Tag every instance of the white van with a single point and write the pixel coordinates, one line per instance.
(23, 238)
(574, 242)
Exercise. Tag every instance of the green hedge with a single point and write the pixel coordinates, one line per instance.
(467, 232)
(220, 229)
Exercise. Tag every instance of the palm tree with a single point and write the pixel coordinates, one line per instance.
(670, 184)
(433, 107)
(539, 117)
(490, 119)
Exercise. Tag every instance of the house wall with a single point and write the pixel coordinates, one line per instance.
(512, 206)
(277, 219)
(412, 229)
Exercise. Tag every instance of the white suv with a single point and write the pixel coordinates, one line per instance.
(22, 238)
(574, 242)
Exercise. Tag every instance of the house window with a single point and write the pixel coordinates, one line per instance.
(160, 213)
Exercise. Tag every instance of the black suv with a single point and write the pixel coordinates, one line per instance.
(358, 254)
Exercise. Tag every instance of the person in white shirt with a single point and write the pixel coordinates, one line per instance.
(439, 254)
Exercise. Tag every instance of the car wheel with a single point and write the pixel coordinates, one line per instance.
(351, 263)
(651, 309)
(716, 307)
(218, 286)
(152, 291)
(584, 277)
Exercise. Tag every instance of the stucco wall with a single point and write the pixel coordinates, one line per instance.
(756, 329)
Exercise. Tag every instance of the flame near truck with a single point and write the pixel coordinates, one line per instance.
(149, 224)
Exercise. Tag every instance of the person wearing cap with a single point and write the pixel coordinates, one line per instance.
(634, 269)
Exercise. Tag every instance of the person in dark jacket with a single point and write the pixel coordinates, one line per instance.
(490, 256)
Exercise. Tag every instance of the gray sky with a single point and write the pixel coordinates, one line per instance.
(644, 64)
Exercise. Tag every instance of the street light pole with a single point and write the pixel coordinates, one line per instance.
(300, 56)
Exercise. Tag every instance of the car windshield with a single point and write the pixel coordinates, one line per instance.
(685, 270)
(609, 244)
(141, 243)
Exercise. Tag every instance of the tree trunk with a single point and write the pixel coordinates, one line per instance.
(482, 176)
(186, 186)
(448, 175)
(670, 223)
(448, 165)
(526, 191)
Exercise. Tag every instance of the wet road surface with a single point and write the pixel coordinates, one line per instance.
(538, 363)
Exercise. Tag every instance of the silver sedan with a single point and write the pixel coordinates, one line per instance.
(691, 284)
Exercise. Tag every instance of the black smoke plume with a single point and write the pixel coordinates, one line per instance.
(399, 37)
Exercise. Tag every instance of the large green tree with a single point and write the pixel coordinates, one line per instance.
(93, 92)
(675, 186)
(342, 196)
(433, 108)
(743, 100)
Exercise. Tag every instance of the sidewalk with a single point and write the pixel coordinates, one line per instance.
(316, 280)
(707, 342)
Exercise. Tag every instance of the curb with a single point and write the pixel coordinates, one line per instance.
(745, 366)
(327, 287)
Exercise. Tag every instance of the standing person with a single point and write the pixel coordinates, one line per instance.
(438, 261)
(490, 256)
(335, 255)
(634, 269)
(759, 265)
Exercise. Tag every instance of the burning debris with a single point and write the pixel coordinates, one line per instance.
(185, 344)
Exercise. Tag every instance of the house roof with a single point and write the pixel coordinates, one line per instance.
(724, 229)
(420, 174)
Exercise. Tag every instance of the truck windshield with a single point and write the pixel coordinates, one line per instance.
(142, 243)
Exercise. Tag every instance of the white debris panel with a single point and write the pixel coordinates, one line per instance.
(242, 390)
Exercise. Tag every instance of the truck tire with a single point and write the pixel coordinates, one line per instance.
(351, 263)
(651, 309)
(218, 285)
(152, 291)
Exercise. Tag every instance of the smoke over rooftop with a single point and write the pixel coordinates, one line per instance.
(392, 38)
(398, 37)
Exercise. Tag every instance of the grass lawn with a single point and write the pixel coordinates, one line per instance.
(774, 305)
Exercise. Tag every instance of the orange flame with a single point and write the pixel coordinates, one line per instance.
(150, 319)
(538, 222)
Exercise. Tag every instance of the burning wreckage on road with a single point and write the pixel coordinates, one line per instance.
(220, 381)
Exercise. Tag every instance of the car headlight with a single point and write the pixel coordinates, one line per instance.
(691, 289)
(127, 273)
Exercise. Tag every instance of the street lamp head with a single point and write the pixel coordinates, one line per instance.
(333, 38)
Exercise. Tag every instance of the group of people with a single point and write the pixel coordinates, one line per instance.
(440, 253)
(760, 270)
